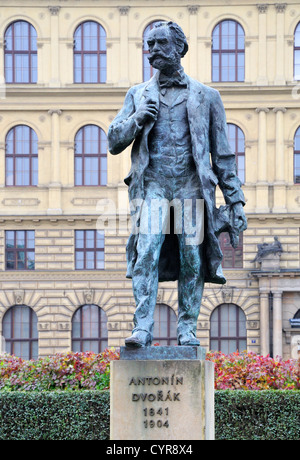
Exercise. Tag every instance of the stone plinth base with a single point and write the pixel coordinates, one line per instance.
(162, 399)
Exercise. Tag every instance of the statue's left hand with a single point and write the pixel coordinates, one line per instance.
(239, 220)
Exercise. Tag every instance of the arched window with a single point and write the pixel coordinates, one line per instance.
(297, 157)
(89, 329)
(90, 53)
(90, 156)
(148, 70)
(236, 139)
(228, 52)
(228, 329)
(20, 332)
(165, 325)
(20, 53)
(21, 153)
(297, 53)
(232, 257)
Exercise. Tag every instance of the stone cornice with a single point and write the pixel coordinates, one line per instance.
(58, 275)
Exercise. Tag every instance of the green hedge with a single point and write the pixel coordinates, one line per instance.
(66, 415)
(257, 415)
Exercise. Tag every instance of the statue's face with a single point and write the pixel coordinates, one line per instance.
(163, 50)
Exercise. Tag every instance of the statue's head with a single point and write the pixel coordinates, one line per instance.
(167, 45)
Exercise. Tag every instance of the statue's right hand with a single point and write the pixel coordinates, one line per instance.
(147, 110)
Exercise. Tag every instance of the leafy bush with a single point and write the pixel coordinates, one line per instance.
(69, 371)
(248, 371)
(79, 371)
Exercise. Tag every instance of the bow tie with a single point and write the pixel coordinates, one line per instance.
(175, 80)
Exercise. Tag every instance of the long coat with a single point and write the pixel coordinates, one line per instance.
(213, 157)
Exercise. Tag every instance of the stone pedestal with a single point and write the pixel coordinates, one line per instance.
(162, 393)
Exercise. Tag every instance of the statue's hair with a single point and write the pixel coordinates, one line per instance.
(178, 35)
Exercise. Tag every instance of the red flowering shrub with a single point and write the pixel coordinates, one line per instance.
(80, 371)
(248, 371)
(65, 371)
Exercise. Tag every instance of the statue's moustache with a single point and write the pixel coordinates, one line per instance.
(152, 57)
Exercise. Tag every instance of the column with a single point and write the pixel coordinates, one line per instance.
(193, 42)
(41, 55)
(262, 187)
(264, 324)
(2, 73)
(248, 62)
(204, 63)
(54, 54)
(124, 80)
(2, 165)
(277, 324)
(280, 67)
(55, 184)
(110, 50)
(262, 44)
(280, 182)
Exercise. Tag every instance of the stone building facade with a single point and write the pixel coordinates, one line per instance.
(47, 198)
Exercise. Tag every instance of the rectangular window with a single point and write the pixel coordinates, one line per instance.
(89, 250)
(20, 250)
(232, 258)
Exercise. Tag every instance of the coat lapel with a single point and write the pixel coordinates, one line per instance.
(151, 91)
(195, 96)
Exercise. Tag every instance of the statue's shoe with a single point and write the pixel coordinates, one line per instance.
(139, 339)
(188, 340)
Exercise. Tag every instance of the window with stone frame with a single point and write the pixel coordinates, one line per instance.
(297, 53)
(89, 329)
(21, 157)
(20, 53)
(228, 52)
(19, 250)
(228, 329)
(89, 250)
(297, 157)
(165, 325)
(90, 156)
(232, 257)
(236, 139)
(90, 61)
(20, 332)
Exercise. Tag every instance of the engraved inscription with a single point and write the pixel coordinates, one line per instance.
(155, 390)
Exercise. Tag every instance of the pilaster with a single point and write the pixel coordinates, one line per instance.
(280, 176)
(55, 184)
(277, 324)
(2, 73)
(54, 53)
(262, 187)
(124, 80)
(2, 165)
(262, 44)
(264, 324)
(193, 47)
(280, 58)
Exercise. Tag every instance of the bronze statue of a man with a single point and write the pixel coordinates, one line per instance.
(180, 153)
